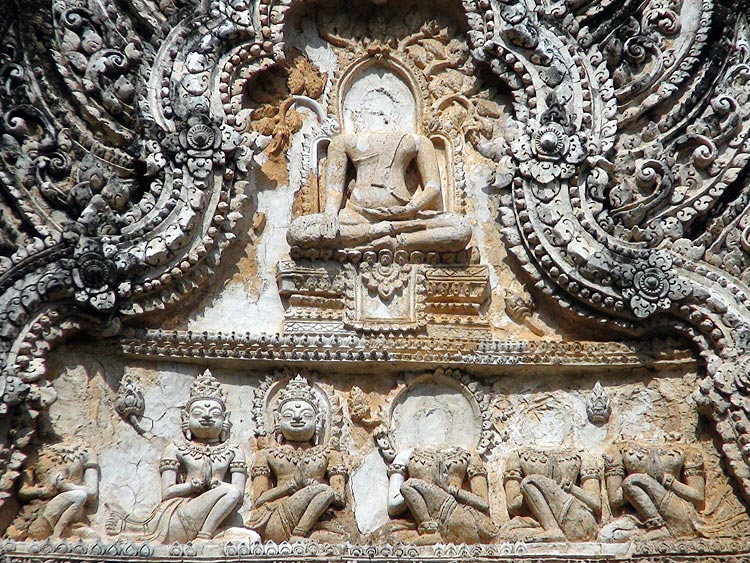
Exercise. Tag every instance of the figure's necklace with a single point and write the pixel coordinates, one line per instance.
(297, 455)
(213, 452)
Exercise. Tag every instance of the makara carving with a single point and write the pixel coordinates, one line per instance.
(371, 190)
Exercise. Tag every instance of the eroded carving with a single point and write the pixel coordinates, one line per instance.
(300, 473)
(598, 406)
(202, 477)
(559, 489)
(378, 209)
(441, 487)
(663, 484)
(59, 486)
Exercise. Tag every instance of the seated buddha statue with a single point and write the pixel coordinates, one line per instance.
(379, 207)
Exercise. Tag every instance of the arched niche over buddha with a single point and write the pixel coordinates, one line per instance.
(383, 235)
(385, 179)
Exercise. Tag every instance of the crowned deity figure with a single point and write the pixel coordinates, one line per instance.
(298, 476)
(445, 490)
(553, 496)
(384, 205)
(203, 477)
(56, 487)
(664, 484)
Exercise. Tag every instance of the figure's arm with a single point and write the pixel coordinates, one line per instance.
(337, 474)
(479, 496)
(30, 491)
(91, 476)
(396, 478)
(335, 175)
(614, 472)
(589, 491)
(427, 165)
(693, 489)
(168, 467)
(238, 470)
(512, 478)
(263, 489)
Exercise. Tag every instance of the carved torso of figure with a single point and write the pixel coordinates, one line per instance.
(56, 488)
(431, 484)
(381, 160)
(201, 461)
(558, 466)
(559, 489)
(653, 461)
(59, 464)
(663, 483)
(285, 461)
(424, 462)
(382, 206)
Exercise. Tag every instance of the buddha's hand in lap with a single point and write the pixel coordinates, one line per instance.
(393, 213)
(329, 227)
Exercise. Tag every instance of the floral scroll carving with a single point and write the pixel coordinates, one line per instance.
(618, 142)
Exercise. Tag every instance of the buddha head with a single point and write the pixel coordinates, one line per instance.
(298, 416)
(378, 99)
(204, 417)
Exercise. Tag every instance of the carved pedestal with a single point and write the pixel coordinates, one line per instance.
(385, 292)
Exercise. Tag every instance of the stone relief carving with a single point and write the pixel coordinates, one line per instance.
(202, 477)
(559, 489)
(299, 474)
(613, 146)
(598, 407)
(58, 487)
(130, 404)
(429, 483)
(377, 209)
(663, 484)
(441, 486)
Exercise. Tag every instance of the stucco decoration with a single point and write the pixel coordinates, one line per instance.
(521, 199)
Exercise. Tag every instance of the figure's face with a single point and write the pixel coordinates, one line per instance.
(206, 419)
(297, 421)
(376, 113)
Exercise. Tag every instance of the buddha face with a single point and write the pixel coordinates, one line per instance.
(206, 419)
(297, 421)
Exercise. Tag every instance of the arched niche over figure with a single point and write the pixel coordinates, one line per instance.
(435, 411)
(384, 181)
(376, 96)
(435, 438)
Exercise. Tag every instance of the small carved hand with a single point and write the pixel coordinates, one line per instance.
(215, 483)
(566, 485)
(441, 475)
(197, 485)
(395, 212)
(299, 480)
(667, 480)
(329, 228)
(61, 484)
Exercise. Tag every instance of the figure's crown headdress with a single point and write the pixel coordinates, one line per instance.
(298, 389)
(205, 387)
